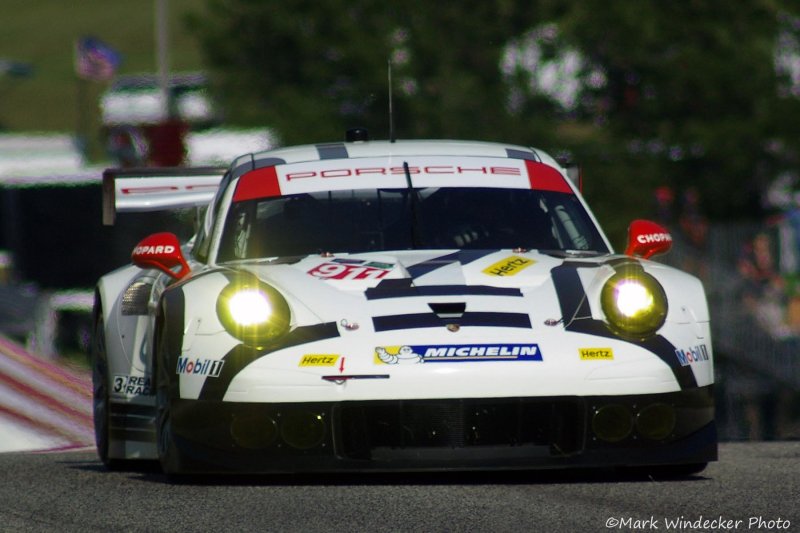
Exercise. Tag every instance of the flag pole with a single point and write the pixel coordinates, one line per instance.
(162, 54)
(80, 108)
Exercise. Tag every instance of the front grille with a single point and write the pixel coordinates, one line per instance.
(364, 430)
(136, 297)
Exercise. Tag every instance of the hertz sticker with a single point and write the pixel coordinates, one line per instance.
(319, 360)
(596, 354)
(508, 266)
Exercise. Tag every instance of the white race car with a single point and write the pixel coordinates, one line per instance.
(409, 305)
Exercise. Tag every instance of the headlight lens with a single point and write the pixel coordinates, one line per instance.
(249, 307)
(253, 312)
(634, 303)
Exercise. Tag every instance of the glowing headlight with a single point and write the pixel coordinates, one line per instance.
(253, 312)
(249, 307)
(634, 303)
(633, 298)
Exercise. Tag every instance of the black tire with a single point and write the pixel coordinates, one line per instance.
(678, 471)
(168, 454)
(664, 471)
(100, 395)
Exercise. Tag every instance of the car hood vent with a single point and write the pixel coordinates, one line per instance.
(448, 310)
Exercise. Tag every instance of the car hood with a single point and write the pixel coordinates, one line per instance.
(437, 283)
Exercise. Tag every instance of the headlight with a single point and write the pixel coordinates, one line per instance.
(634, 303)
(253, 312)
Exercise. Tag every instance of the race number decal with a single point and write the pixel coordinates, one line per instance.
(350, 271)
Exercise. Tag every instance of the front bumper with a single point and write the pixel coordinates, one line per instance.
(444, 434)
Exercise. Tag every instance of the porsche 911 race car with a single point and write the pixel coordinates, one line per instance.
(409, 305)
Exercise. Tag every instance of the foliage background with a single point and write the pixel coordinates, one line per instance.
(685, 94)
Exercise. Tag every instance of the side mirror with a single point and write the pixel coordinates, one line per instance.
(646, 239)
(161, 251)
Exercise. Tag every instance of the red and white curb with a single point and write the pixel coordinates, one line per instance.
(44, 406)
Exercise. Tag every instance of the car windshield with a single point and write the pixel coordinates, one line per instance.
(398, 219)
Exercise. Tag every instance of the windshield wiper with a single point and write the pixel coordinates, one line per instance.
(416, 222)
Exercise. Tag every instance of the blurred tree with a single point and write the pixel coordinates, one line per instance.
(313, 69)
(641, 93)
(692, 91)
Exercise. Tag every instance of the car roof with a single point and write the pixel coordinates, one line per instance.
(399, 148)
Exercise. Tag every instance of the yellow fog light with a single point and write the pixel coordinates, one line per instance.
(253, 430)
(634, 303)
(302, 430)
(656, 421)
(612, 423)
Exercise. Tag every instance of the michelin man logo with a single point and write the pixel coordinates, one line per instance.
(404, 354)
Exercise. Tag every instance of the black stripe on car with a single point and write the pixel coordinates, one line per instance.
(404, 288)
(522, 154)
(268, 162)
(172, 325)
(332, 151)
(241, 356)
(463, 257)
(577, 317)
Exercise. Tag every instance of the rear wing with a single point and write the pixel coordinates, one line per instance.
(157, 189)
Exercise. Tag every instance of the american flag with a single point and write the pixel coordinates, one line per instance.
(95, 60)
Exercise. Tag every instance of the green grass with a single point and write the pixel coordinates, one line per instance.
(43, 33)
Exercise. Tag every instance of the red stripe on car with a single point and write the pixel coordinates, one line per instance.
(259, 183)
(545, 178)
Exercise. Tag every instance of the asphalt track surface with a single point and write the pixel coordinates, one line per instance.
(754, 487)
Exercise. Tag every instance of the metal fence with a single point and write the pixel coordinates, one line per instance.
(757, 356)
(737, 333)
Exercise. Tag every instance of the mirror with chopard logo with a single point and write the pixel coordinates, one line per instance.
(161, 251)
(646, 239)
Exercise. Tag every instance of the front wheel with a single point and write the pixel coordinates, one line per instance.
(168, 454)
